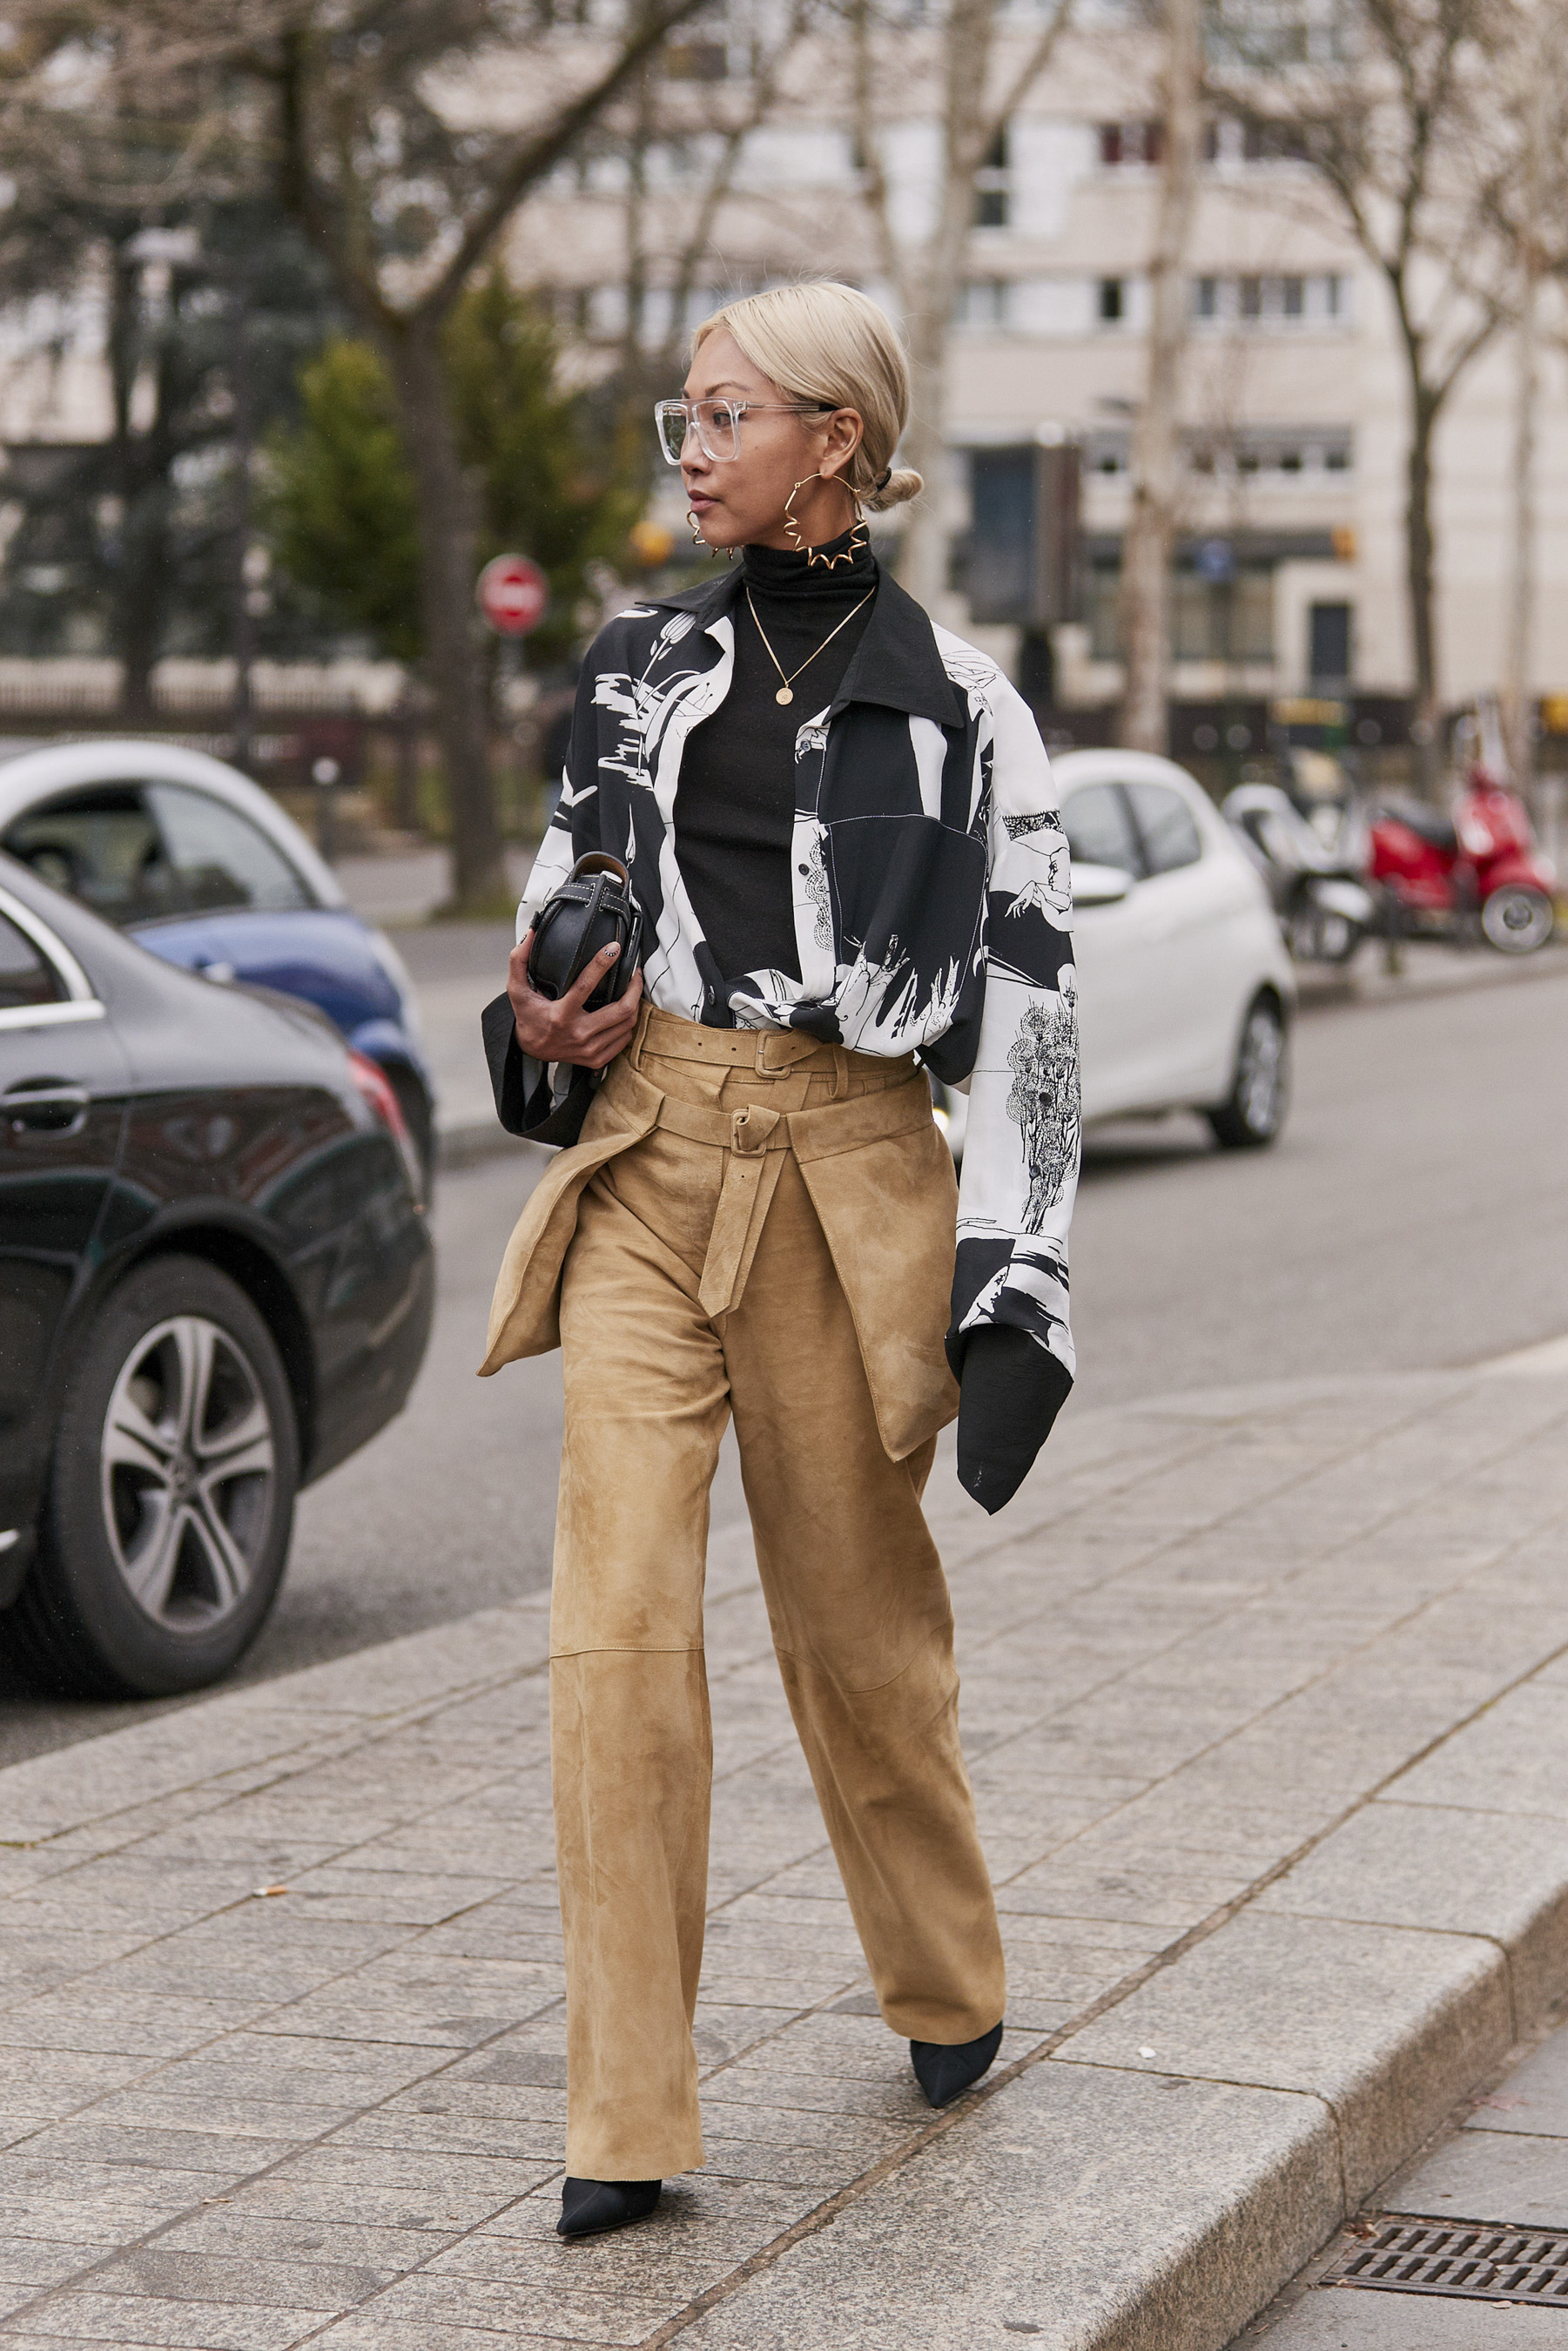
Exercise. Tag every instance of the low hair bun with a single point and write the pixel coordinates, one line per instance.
(828, 346)
(901, 484)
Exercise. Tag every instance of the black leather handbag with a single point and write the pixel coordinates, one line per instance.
(593, 908)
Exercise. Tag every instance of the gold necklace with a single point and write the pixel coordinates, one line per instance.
(784, 694)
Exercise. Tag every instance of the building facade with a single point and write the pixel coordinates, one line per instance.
(1291, 561)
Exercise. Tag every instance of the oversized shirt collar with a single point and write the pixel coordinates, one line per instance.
(895, 664)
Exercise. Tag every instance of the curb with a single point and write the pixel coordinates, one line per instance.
(1193, 2210)
(1321, 1892)
(468, 1140)
(1326, 991)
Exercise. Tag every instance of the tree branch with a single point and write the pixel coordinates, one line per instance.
(541, 152)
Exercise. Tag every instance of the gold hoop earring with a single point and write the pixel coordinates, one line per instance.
(697, 539)
(791, 526)
(860, 538)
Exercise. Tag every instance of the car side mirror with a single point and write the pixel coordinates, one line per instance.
(1099, 885)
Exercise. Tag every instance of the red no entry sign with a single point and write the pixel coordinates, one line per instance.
(513, 595)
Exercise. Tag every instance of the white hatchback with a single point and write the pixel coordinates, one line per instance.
(1185, 988)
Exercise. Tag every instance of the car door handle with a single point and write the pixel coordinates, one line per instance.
(45, 1109)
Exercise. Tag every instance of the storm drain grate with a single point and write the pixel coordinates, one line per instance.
(1483, 2260)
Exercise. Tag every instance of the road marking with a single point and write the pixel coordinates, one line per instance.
(1532, 1363)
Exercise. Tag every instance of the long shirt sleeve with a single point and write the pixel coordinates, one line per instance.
(1021, 1147)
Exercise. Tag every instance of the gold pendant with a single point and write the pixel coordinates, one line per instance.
(783, 694)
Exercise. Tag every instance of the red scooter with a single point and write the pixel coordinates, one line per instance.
(1443, 875)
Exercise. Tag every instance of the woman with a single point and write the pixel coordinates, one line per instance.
(839, 823)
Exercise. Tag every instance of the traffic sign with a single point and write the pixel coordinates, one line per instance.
(514, 595)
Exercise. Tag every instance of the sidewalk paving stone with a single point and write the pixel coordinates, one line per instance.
(1267, 1697)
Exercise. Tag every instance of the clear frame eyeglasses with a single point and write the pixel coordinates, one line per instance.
(717, 422)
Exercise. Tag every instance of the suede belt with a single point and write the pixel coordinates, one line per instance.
(756, 1139)
(769, 1052)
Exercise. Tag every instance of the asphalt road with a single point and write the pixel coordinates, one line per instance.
(1415, 1214)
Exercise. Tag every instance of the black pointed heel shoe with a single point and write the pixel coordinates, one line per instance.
(589, 2207)
(946, 2069)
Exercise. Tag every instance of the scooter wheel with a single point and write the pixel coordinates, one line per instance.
(1338, 937)
(1517, 920)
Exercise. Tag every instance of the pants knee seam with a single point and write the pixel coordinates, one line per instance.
(630, 1649)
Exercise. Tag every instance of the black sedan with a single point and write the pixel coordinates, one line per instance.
(216, 1283)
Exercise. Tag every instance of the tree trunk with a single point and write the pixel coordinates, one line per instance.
(932, 290)
(141, 589)
(923, 550)
(1518, 733)
(138, 596)
(1420, 565)
(1151, 524)
(447, 571)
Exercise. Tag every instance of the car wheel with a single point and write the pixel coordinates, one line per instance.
(1254, 1111)
(170, 1498)
(1518, 920)
(420, 1120)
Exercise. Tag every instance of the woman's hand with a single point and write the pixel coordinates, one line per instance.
(557, 1029)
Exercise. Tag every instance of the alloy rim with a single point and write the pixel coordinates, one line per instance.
(1261, 1076)
(188, 1470)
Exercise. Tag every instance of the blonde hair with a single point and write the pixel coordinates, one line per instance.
(823, 341)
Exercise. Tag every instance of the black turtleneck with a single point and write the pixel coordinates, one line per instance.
(735, 806)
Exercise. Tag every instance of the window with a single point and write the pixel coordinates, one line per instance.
(991, 184)
(981, 302)
(697, 61)
(151, 852)
(1328, 642)
(101, 846)
(1111, 301)
(219, 857)
(25, 979)
(1099, 828)
(1277, 302)
(1131, 143)
(1165, 827)
(1274, 142)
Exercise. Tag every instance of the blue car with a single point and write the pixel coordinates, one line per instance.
(198, 863)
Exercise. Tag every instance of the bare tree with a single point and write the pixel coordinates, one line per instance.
(1514, 698)
(973, 90)
(670, 236)
(1531, 197)
(1157, 449)
(399, 152)
(1390, 104)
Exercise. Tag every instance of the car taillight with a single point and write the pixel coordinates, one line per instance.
(376, 1090)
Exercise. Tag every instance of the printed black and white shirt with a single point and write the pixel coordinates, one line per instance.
(932, 899)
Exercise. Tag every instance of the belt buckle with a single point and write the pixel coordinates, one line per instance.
(764, 1037)
(741, 1134)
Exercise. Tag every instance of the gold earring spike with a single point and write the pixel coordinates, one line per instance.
(859, 536)
(697, 539)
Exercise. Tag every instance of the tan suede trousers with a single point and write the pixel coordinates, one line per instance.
(695, 1289)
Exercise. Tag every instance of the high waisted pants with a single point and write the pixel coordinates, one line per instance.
(856, 1599)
